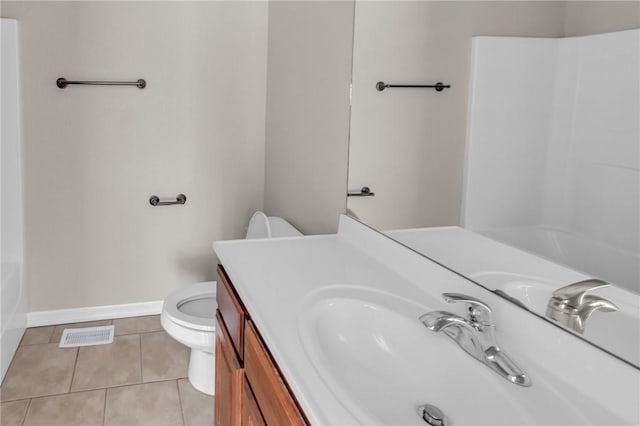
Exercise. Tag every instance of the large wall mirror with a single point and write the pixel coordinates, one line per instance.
(523, 175)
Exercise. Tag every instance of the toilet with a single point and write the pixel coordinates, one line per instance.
(189, 314)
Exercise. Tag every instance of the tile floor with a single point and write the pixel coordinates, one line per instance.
(138, 380)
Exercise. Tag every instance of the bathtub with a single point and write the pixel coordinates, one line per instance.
(13, 303)
(613, 264)
(13, 312)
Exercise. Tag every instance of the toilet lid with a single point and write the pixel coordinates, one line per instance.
(193, 306)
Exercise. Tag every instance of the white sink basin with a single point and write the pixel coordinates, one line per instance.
(382, 363)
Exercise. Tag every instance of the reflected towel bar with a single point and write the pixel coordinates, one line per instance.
(365, 191)
(63, 82)
(439, 86)
(155, 200)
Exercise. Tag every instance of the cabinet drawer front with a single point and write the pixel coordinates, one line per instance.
(229, 379)
(271, 393)
(231, 309)
(251, 414)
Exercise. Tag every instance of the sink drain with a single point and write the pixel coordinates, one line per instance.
(431, 414)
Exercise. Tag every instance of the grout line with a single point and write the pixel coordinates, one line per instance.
(24, 419)
(73, 373)
(167, 379)
(184, 422)
(104, 410)
(33, 328)
(93, 389)
(141, 368)
(39, 396)
(53, 330)
(26, 398)
(138, 384)
(140, 332)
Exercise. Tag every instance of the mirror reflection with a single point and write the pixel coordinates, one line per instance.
(524, 175)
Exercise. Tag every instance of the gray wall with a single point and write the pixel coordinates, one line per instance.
(94, 155)
(594, 17)
(307, 125)
(408, 145)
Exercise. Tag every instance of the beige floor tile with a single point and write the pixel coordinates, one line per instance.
(197, 407)
(37, 335)
(137, 325)
(115, 364)
(12, 413)
(149, 404)
(39, 370)
(163, 358)
(72, 409)
(57, 333)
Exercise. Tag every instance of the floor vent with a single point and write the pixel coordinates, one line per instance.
(73, 337)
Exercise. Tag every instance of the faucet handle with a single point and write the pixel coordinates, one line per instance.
(574, 294)
(479, 312)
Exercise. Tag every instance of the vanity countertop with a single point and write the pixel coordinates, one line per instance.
(277, 278)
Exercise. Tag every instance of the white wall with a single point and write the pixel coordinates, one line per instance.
(94, 155)
(307, 130)
(408, 144)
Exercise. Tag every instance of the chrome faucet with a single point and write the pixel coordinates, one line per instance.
(571, 306)
(476, 335)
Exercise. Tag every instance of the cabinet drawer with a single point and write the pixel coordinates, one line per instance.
(251, 414)
(229, 379)
(232, 310)
(271, 393)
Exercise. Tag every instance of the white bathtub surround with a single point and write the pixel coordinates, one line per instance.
(553, 149)
(13, 296)
(287, 285)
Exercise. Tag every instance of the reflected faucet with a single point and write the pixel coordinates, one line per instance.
(571, 306)
(476, 335)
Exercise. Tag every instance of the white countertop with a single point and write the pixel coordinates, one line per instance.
(274, 277)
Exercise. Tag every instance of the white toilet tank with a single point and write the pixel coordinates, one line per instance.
(263, 226)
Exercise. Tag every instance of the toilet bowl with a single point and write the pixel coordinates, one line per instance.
(189, 314)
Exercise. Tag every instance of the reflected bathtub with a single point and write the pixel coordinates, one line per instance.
(596, 258)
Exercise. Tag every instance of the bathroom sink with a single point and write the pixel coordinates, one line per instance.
(382, 363)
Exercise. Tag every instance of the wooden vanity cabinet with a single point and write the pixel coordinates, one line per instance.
(250, 390)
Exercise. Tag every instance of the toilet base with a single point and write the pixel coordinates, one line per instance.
(202, 371)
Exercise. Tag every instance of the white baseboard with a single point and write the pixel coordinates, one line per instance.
(93, 313)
